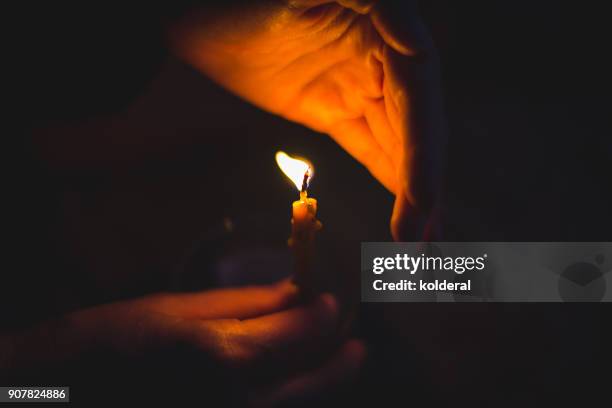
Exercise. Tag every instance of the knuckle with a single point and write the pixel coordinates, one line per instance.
(228, 343)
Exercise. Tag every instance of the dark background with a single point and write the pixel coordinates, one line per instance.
(127, 163)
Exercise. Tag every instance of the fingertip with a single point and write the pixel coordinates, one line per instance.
(286, 286)
(401, 28)
(407, 222)
(286, 291)
(358, 6)
(396, 215)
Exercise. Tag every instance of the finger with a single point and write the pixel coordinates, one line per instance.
(231, 303)
(399, 25)
(297, 326)
(413, 98)
(341, 369)
(407, 223)
(274, 342)
(359, 6)
(355, 136)
(376, 116)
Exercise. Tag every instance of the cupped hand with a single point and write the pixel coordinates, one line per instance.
(363, 72)
(259, 338)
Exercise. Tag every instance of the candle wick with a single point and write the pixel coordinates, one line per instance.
(305, 181)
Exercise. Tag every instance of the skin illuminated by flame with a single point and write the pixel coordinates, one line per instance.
(362, 71)
(294, 168)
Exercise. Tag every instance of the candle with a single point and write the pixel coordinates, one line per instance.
(304, 223)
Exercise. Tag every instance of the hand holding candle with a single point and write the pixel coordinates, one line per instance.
(304, 223)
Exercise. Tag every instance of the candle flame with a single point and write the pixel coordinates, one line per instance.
(297, 170)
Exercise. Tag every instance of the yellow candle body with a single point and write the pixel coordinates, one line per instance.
(304, 225)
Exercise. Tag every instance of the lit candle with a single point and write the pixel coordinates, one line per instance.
(304, 223)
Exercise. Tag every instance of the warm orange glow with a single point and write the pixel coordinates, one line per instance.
(294, 168)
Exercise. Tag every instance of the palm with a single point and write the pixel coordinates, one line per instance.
(325, 66)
